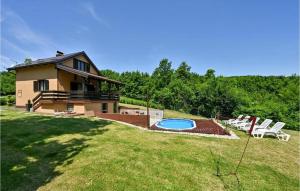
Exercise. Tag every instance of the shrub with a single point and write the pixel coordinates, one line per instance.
(11, 100)
(3, 100)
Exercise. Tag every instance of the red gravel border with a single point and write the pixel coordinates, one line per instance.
(138, 120)
(202, 126)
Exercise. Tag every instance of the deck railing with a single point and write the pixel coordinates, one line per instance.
(62, 95)
(93, 95)
(43, 95)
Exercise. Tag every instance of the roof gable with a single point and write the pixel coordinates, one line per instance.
(55, 60)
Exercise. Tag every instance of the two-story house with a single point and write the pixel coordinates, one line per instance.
(66, 82)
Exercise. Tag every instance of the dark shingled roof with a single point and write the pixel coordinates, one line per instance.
(57, 61)
(54, 60)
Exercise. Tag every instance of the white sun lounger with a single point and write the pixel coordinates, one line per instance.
(240, 121)
(274, 131)
(264, 125)
(232, 120)
(246, 125)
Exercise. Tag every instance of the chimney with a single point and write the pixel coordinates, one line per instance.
(59, 53)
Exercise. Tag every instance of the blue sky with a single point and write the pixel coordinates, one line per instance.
(234, 37)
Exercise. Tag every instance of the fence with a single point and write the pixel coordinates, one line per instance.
(155, 114)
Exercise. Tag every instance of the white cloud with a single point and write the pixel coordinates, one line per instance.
(15, 47)
(91, 10)
(23, 34)
(6, 62)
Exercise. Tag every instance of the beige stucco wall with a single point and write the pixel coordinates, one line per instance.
(25, 78)
(78, 107)
(92, 106)
(59, 107)
(64, 80)
(110, 106)
(98, 106)
(82, 58)
(51, 108)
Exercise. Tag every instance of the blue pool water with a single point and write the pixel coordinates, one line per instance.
(176, 124)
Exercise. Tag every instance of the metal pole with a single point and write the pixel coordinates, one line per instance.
(148, 116)
(252, 125)
(242, 156)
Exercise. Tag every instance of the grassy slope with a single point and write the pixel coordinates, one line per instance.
(48, 153)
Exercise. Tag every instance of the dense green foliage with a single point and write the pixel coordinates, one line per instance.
(7, 100)
(8, 84)
(274, 97)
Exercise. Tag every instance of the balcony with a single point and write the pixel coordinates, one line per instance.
(94, 95)
(73, 95)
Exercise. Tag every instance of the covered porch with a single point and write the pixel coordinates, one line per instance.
(83, 85)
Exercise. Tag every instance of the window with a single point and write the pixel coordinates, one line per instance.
(80, 65)
(41, 85)
(19, 93)
(115, 107)
(70, 107)
(104, 107)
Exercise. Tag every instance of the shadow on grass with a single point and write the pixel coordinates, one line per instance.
(31, 149)
(219, 163)
(255, 176)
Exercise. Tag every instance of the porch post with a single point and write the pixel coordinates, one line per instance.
(100, 86)
(109, 87)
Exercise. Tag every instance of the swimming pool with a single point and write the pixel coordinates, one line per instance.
(176, 124)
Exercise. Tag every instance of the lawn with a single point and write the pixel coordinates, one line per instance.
(48, 153)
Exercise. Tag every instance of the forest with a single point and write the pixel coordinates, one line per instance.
(274, 97)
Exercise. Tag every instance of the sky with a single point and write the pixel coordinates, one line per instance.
(233, 37)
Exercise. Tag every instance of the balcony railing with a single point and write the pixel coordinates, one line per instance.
(61, 95)
(93, 95)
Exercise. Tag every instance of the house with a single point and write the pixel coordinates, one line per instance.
(66, 82)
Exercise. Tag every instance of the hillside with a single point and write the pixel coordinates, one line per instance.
(50, 153)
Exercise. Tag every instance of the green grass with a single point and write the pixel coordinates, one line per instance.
(48, 153)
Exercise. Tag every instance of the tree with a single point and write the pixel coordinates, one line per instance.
(164, 97)
(27, 61)
(8, 83)
(182, 95)
(183, 71)
(162, 74)
(133, 83)
(110, 74)
(210, 73)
